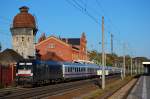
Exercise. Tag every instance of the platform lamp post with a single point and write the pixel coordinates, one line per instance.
(103, 56)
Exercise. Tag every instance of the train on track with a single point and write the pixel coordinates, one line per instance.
(38, 72)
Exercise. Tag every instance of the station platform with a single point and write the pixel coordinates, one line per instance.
(142, 89)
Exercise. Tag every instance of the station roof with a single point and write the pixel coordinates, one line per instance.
(9, 56)
(146, 63)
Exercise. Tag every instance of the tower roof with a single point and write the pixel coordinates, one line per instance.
(24, 19)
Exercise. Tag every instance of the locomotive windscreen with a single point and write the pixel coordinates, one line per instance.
(24, 66)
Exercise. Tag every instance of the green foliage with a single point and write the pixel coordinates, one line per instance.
(112, 59)
(95, 57)
(0, 46)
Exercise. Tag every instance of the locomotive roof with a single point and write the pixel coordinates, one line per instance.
(79, 64)
(66, 63)
(49, 62)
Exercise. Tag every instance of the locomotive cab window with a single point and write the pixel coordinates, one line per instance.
(25, 66)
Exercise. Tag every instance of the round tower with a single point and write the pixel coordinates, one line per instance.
(23, 33)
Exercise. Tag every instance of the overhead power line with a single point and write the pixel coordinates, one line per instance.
(84, 10)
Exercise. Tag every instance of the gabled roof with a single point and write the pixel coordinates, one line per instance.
(52, 37)
(72, 41)
(9, 56)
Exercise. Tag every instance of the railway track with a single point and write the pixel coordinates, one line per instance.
(46, 91)
(7, 91)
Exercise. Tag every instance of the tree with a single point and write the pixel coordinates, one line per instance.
(95, 56)
(37, 54)
(0, 47)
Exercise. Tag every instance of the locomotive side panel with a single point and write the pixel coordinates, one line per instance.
(55, 72)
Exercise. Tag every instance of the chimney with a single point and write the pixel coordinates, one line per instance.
(66, 40)
(24, 9)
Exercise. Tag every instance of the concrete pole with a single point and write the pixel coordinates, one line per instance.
(105, 59)
(124, 66)
(136, 66)
(103, 55)
(124, 63)
(131, 67)
(139, 64)
(111, 44)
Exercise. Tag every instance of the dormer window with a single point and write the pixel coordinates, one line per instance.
(51, 45)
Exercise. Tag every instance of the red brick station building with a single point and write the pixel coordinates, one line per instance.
(62, 49)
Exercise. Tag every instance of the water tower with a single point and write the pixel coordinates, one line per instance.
(23, 32)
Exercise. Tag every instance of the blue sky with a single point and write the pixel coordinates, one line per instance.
(128, 20)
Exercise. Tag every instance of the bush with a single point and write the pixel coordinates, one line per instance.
(1, 86)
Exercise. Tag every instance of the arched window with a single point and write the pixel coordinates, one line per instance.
(22, 39)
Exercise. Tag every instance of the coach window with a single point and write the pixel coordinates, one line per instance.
(71, 69)
(82, 69)
(94, 69)
(66, 69)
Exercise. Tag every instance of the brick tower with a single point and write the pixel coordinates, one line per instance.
(23, 33)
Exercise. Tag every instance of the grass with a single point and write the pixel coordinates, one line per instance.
(110, 88)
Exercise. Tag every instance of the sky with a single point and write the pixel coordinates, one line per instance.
(127, 20)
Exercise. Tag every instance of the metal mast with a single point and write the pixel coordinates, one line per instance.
(131, 67)
(111, 43)
(103, 55)
(124, 61)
